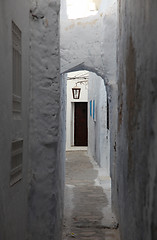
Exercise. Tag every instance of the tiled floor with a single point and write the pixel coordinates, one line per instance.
(88, 214)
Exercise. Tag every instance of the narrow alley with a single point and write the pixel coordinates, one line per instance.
(78, 74)
(87, 209)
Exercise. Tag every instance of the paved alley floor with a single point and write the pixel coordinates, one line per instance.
(87, 210)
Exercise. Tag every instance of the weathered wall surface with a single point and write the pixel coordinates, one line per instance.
(46, 185)
(113, 109)
(13, 199)
(98, 135)
(62, 149)
(137, 119)
(90, 43)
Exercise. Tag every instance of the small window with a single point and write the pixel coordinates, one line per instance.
(91, 108)
(16, 161)
(17, 70)
(94, 110)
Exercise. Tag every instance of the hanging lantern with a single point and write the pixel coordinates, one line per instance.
(76, 92)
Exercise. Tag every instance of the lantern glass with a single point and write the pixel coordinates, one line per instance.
(76, 93)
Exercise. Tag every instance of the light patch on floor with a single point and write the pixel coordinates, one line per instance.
(109, 219)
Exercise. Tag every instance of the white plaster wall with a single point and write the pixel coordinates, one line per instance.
(63, 9)
(46, 117)
(71, 101)
(13, 200)
(90, 43)
(62, 141)
(113, 111)
(137, 120)
(98, 135)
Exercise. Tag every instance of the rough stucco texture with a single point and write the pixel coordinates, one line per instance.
(13, 199)
(90, 43)
(46, 150)
(137, 120)
(98, 134)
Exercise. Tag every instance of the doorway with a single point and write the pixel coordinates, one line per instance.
(81, 124)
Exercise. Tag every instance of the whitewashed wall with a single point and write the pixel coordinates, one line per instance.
(13, 199)
(136, 170)
(70, 104)
(90, 43)
(46, 148)
(98, 135)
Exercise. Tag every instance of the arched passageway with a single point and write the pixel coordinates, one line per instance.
(90, 44)
(94, 129)
(83, 41)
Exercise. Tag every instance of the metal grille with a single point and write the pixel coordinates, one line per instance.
(17, 70)
(16, 161)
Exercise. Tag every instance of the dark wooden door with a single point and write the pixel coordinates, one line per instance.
(81, 124)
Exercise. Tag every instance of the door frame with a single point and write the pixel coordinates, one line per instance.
(73, 122)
